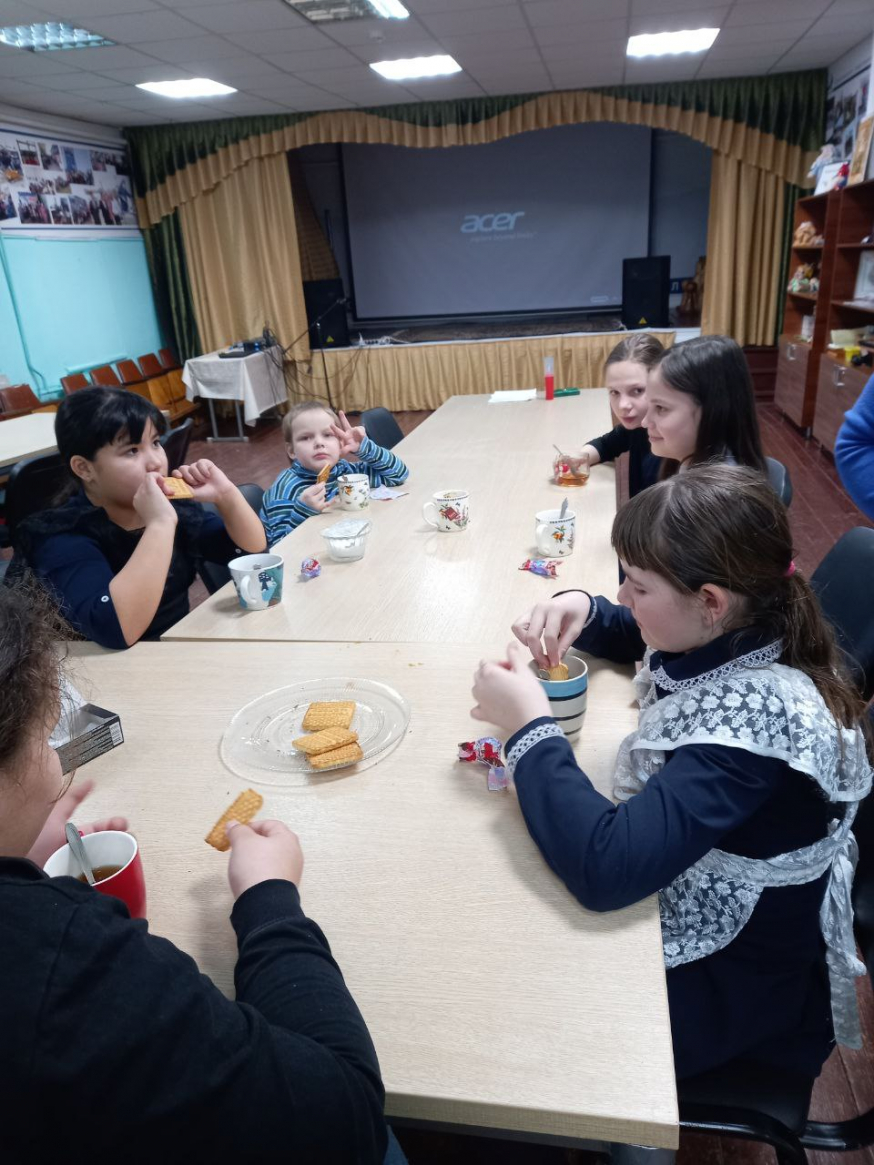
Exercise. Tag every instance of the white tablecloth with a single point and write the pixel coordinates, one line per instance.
(255, 380)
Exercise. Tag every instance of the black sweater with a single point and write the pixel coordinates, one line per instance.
(643, 465)
(116, 1047)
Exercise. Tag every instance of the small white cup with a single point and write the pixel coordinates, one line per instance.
(354, 491)
(553, 534)
(258, 579)
(452, 510)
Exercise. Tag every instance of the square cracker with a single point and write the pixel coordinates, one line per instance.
(559, 672)
(347, 755)
(243, 810)
(324, 473)
(329, 714)
(180, 488)
(325, 740)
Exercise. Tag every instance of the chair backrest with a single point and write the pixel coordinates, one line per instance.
(381, 427)
(216, 574)
(17, 397)
(781, 483)
(105, 377)
(842, 583)
(74, 382)
(150, 365)
(168, 360)
(176, 442)
(34, 484)
(129, 372)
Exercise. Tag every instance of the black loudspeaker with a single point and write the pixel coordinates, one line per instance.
(325, 301)
(646, 285)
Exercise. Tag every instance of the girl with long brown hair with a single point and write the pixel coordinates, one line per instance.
(736, 793)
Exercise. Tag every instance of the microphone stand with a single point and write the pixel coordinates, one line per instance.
(317, 325)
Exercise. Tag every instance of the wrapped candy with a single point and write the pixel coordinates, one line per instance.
(310, 568)
(542, 566)
(487, 751)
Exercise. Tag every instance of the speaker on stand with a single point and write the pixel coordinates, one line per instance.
(646, 287)
(326, 303)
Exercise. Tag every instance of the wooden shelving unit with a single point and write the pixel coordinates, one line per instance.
(798, 360)
(839, 383)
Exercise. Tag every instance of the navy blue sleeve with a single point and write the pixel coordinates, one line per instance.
(213, 541)
(854, 451)
(79, 574)
(617, 441)
(610, 856)
(612, 634)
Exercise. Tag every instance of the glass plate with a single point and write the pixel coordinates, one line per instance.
(257, 742)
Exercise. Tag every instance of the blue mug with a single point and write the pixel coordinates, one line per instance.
(567, 698)
(258, 579)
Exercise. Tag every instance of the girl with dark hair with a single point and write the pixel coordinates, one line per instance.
(101, 1017)
(701, 407)
(738, 789)
(118, 555)
(625, 374)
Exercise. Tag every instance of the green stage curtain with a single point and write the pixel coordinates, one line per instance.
(165, 252)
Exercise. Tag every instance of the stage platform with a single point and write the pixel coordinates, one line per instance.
(423, 375)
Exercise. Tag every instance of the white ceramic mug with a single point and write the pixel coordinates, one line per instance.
(354, 491)
(553, 534)
(452, 510)
(258, 579)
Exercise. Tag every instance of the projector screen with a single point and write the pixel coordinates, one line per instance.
(537, 222)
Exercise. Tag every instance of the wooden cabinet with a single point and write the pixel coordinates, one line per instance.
(838, 387)
(792, 370)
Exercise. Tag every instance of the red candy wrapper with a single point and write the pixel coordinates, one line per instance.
(543, 566)
(487, 751)
(310, 568)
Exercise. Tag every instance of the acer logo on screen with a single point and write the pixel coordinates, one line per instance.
(486, 223)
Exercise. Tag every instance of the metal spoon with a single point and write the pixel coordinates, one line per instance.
(563, 510)
(74, 841)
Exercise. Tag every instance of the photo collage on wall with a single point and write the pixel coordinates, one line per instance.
(844, 109)
(46, 183)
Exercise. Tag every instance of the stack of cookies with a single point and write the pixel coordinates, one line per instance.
(331, 741)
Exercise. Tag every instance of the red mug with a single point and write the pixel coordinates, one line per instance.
(110, 847)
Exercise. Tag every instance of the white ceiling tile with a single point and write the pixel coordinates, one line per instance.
(372, 90)
(107, 57)
(773, 11)
(479, 20)
(848, 24)
(526, 77)
(849, 7)
(243, 105)
(420, 7)
(253, 16)
(589, 54)
(542, 13)
(234, 70)
(125, 117)
(592, 77)
(335, 58)
(378, 51)
(646, 71)
(503, 40)
(189, 48)
(73, 82)
(837, 44)
(137, 27)
(156, 71)
(282, 91)
(445, 89)
(574, 34)
(678, 21)
(82, 10)
(501, 89)
(353, 32)
(116, 92)
(767, 51)
(19, 63)
(750, 34)
(643, 7)
(282, 40)
(15, 12)
(711, 70)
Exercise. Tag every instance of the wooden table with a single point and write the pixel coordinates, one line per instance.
(495, 1000)
(418, 585)
(23, 437)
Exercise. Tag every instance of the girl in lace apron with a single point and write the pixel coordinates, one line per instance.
(737, 792)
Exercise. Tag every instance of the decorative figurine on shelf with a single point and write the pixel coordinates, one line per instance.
(843, 177)
(805, 281)
(693, 291)
(826, 156)
(806, 236)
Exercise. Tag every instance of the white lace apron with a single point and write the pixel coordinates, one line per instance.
(768, 709)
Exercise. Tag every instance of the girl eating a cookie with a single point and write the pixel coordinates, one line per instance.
(118, 554)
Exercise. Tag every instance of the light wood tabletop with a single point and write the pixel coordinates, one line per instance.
(23, 437)
(494, 999)
(418, 585)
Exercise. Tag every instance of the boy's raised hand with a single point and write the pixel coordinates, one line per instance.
(350, 437)
(314, 496)
(508, 693)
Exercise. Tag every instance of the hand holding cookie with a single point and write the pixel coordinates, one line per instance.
(262, 852)
(315, 497)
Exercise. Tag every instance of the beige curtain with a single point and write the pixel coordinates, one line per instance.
(423, 377)
(243, 262)
(744, 239)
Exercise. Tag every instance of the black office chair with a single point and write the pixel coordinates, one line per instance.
(176, 442)
(216, 574)
(34, 484)
(842, 583)
(381, 427)
(781, 483)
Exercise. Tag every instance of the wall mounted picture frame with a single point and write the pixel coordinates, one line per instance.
(859, 164)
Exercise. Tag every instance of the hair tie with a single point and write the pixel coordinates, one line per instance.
(790, 569)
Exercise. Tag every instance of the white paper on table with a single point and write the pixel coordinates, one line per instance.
(385, 493)
(512, 394)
